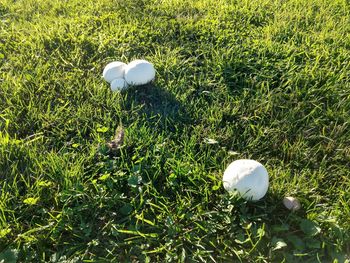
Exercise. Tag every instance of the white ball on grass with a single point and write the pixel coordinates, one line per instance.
(248, 177)
(114, 70)
(118, 84)
(139, 72)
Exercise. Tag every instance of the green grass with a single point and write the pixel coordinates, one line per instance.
(268, 80)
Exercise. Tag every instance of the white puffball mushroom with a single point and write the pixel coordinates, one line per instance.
(139, 72)
(114, 70)
(291, 203)
(248, 177)
(118, 84)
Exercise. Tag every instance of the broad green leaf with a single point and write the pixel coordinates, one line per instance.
(134, 180)
(9, 256)
(312, 243)
(126, 209)
(310, 228)
(278, 243)
(296, 241)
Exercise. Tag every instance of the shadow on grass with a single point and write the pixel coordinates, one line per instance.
(157, 106)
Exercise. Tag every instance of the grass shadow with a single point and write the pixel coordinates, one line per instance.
(157, 106)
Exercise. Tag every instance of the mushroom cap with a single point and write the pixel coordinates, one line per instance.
(114, 70)
(139, 72)
(248, 177)
(118, 84)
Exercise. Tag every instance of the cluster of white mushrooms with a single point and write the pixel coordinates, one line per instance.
(121, 75)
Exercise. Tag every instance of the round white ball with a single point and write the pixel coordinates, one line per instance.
(114, 70)
(118, 84)
(139, 72)
(248, 177)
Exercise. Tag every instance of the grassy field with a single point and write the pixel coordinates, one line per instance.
(267, 80)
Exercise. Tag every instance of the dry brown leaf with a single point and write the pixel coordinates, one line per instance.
(118, 139)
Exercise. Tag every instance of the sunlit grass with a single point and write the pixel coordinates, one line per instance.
(267, 80)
